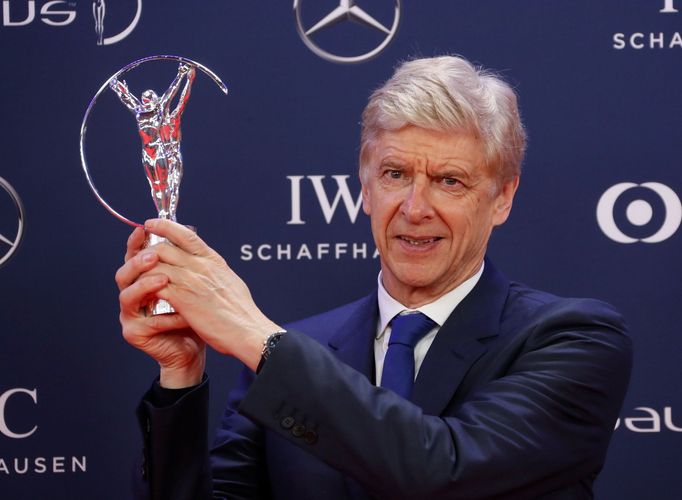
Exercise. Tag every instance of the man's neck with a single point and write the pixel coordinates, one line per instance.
(413, 297)
(438, 310)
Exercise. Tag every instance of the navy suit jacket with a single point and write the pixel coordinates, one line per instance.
(517, 398)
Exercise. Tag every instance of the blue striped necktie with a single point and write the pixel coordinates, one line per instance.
(406, 331)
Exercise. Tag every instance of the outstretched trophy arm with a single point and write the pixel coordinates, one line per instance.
(169, 94)
(184, 97)
(126, 97)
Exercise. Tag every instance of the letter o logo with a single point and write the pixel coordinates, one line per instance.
(639, 212)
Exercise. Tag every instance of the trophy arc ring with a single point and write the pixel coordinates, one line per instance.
(93, 101)
(159, 128)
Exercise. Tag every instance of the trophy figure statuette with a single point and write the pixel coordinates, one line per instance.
(159, 129)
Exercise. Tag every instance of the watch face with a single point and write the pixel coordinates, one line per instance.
(272, 342)
(268, 346)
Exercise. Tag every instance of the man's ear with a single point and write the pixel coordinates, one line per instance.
(503, 200)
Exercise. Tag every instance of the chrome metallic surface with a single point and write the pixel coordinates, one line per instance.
(159, 129)
(158, 306)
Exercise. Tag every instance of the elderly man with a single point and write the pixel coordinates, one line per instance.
(448, 381)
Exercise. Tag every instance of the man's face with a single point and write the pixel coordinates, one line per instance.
(433, 204)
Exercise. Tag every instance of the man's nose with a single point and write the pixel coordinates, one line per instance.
(417, 203)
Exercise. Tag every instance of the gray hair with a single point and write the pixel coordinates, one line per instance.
(449, 94)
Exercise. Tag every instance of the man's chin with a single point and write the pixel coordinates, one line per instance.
(408, 280)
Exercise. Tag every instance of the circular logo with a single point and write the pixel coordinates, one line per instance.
(639, 212)
(347, 10)
(9, 241)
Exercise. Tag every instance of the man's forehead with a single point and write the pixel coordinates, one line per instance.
(422, 145)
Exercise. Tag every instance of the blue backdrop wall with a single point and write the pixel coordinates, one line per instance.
(270, 183)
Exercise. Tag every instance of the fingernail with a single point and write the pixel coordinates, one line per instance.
(148, 257)
(149, 224)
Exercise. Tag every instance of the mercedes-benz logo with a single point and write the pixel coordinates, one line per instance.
(346, 11)
(10, 243)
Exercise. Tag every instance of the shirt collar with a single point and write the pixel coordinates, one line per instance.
(439, 310)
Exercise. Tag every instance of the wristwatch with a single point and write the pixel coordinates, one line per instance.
(269, 345)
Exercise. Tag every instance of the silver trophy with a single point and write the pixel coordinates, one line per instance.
(159, 129)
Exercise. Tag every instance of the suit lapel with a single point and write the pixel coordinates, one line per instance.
(457, 345)
(353, 343)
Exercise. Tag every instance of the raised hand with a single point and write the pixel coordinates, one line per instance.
(166, 338)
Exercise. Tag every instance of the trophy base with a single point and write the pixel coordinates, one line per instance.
(157, 306)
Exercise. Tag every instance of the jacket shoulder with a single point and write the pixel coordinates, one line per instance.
(546, 318)
(537, 305)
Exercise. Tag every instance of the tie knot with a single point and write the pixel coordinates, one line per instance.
(408, 329)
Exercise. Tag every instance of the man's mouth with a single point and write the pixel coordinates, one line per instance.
(419, 241)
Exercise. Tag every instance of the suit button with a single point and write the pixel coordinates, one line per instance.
(310, 437)
(287, 422)
(298, 430)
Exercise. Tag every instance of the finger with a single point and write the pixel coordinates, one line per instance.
(165, 322)
(151, 325)
(134, 244)
(177, 257)
(134, 297)
(134, 267)
(179, 235)
(146, 327)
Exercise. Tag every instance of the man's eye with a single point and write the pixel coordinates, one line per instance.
(394, 174)
(450, 181)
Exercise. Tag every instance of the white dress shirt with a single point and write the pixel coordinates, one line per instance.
(438, 310)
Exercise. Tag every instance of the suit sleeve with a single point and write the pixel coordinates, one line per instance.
(175, 457)
(176, 463)
(543, 424)
(238, 462)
